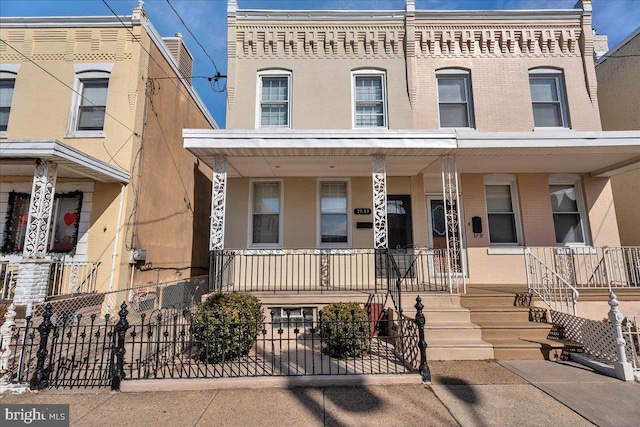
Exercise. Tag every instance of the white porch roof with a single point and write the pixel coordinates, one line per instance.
(17, 156)
(288, 152)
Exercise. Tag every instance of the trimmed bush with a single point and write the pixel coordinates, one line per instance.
(226, 326)
(344, 329)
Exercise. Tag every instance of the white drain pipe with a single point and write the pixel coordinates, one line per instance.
(115, 243)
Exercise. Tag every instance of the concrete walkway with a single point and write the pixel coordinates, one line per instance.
(474, 393)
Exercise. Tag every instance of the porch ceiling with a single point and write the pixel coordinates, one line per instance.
(337, 153)
(17, 158)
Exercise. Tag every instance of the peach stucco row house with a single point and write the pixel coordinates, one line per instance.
(467, 145)
(94, 180)
(619, 94)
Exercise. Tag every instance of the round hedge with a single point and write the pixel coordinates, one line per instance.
(226, 326)
(344, 329)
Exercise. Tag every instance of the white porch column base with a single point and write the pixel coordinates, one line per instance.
(33, 282)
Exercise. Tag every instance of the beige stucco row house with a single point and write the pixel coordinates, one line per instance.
(466, 143)
(95, 183)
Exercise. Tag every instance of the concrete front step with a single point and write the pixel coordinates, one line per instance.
(517, 349)
(459, 331)
(514, 330)
(442, 314)
(481, 315)
(453, 349)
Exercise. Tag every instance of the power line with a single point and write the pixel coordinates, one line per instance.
(189, 98)
(66, 85)
(218, 76)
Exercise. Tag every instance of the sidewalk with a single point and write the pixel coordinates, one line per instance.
(474, 393)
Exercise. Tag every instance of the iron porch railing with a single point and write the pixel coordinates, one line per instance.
(593, 267)
(324, 270)
(65, 278)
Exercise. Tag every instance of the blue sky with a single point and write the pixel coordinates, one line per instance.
(207, 20)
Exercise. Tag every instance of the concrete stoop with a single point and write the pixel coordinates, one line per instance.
(449, 332)
(508, 327)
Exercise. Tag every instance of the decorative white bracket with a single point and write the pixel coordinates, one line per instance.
(40, 208)
(379, 176)
(218, 202)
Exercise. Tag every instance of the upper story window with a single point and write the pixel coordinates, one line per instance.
(369, 99)
(334, 213)
(8, 73)
(274, 98)
(266, 213)
(569, 216)
(455, 103)
(548, 98)
(89, 103)
(502, 210)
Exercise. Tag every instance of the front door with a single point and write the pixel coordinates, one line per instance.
(437, 232)
(399, 223)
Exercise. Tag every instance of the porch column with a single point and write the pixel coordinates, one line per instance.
(379, 175)
(218, 202)
(453, 229)
(33, 274)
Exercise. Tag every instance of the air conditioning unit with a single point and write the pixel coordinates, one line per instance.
(138, 255)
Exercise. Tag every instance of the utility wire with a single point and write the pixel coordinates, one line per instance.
(218, 76)
(189, 98)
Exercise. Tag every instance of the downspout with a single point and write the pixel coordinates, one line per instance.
(115, 243)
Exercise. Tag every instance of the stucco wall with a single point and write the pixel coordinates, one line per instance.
(619, 94)
(174, 190)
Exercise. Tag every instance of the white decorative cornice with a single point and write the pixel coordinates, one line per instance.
(66, 21)
(477, 40)
(320, 40)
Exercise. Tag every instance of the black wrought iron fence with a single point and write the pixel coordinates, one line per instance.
(63, 351)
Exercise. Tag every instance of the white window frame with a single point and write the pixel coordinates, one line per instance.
(369, 73)
(273, 73)
(319, 243)
(510, 180)
(576, 181)
(558, 75)
(457, 73)
(85, 72)
(250, 243)
(9, 72)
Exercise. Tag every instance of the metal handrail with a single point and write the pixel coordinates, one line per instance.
(545, 284)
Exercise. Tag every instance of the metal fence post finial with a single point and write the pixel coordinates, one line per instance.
(623, 369)
(40, 377)
(119, 350)
(424, 370)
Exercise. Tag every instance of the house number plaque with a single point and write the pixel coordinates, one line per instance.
(362, 211)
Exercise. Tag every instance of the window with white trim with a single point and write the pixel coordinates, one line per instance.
(369, 99)
(274, 98)
(455, 104)
(548, 98)
(8, 74)
(6, 95)
(89, 103)
(568, 211)
(266, 218)
(502, 211)
(334, 217)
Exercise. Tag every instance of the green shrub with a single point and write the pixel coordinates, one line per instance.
(226, 326)
(344, 329)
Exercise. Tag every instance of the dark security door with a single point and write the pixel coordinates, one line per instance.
(399, 223)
